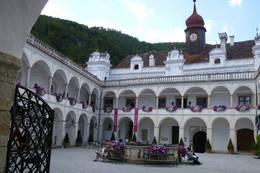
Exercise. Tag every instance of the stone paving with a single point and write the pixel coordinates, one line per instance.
(80, 160)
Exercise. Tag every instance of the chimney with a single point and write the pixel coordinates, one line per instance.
(223, 41)
(151, 60)
(232, 40)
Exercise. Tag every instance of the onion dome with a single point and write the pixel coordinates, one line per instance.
(195, 20)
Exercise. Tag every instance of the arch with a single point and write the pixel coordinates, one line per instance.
(73, 88)
(93, 130)
(146, 130)
(147, 97)
(94, 97)
(59, 82)
(145, 91)
(109, 99)
(107, 128)
(40, 74)
(196, 96)
(191, 127)
(169, 131)
(217, 61)
(126, 91)
(220, 95)
(71, 126)
(24, 73)
(220, 134)
(125, 128)
(83, 127)
(57, 128)
(244, 128)
(169, 97)
(127, 98)
(84, 93)
(243, 88)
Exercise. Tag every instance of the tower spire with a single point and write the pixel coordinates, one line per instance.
(194, 7)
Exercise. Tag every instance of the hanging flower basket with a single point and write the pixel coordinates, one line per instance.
(39, 90)
(258, 107)
(219, 108)
(197, 108)
(126, 108)
(147, 108)
(171, 108)
(59, 97)
(84, 104)
(108, 109)
(243, 108)
(72, 101)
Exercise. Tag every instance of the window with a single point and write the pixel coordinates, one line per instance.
(178, 102)
(162, 102)
(108, 102)
(130, 102)
(202, 101)
(217, 61)
(136, 67)
(244, 100)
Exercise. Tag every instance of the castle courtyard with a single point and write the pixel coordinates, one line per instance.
(80, 160)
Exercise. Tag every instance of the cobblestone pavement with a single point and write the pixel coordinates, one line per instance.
(80, 160)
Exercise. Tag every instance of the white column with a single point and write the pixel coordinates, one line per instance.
(231, 101)
(157, 103)
(66, 90)
(255, 97)
(75, 126)
(78, 97)
(209, 97)
(28, 77)
(89, 101)
(156, 133)
(117, 100)
(232, 133)
(136, 102)
(182, 102)
(209, 135)
(50, 84)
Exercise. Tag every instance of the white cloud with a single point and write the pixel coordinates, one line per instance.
(235, 2)
(225, 28)
(208, 25)
(55, 10)
(138, 9)
(103, 5)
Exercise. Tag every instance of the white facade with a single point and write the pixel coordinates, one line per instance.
(220, 84)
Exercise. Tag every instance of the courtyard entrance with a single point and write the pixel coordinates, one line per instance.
(199, 141)
(244, 139)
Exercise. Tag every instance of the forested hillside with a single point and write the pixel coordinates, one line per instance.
(78, 41)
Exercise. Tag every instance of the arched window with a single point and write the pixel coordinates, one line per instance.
(217, 61)
(136, 67)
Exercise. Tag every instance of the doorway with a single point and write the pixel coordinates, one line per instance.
(199, 140)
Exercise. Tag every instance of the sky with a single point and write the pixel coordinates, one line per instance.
(162, 20)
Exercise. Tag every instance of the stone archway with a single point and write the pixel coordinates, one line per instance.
(220, 134)
(107, 129)
(125, 129)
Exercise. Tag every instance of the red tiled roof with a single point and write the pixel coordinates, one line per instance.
(240, 50)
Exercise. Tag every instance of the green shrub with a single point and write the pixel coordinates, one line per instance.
(113, 136)
(134, 138)
(258, 144)
(79, 138)
(230, 145)
(253, 145)
(154, 140)
(181, 142)
(66, 139)
(208, 145)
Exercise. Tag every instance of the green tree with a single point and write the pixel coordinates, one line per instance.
(154, 140)
(113, 136)
(134, 138)
(181, 142)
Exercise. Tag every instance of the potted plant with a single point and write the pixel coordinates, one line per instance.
(90, 139)
(181, 142)
(208, 146)
(66, 141)
(154, 140)
(253, 147)
(258, 146)
(230, 147)
(134, 138)
(79, 139)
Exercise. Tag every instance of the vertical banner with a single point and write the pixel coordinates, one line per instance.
(136, 120)
(115, 118)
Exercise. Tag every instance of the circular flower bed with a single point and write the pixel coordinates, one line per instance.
(117, 146)
(171, 108)
(126, 108)
(219, 108)
(243, 108)
(147, 108)
(197, 108)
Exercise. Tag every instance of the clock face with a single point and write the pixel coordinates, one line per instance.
(193, 37)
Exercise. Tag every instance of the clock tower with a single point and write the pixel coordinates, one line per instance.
(195, 33)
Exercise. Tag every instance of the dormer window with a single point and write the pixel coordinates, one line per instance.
(217, 61)
(136, 67)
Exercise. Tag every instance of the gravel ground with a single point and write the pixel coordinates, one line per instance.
(80, 160)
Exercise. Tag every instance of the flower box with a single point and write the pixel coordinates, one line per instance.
(126, 108)
(94, 108)
(171, 108)
(158, 149)
(39, 90)
(59, 97)
(219, 108)
(197, 108)
(72, 101)
(243, 108)
(147, 108)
